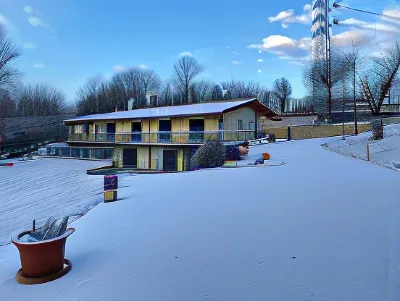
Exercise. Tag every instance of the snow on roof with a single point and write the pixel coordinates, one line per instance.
(191, 109)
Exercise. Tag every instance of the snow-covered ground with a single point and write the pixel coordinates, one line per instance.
(37, 189)
(321, 227)
(383, 152)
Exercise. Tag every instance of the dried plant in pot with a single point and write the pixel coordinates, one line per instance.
(42, 252)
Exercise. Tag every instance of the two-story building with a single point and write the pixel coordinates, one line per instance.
(165, 138)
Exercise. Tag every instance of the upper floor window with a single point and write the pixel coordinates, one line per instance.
(252, 126)
(240, 125)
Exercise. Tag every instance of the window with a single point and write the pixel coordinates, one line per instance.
(78, 129)
(240, 125)
(252, 126)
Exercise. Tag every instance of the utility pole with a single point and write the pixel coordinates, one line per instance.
(343, 103)
(354, 97)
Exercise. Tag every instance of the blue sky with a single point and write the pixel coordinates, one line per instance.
(66, 42)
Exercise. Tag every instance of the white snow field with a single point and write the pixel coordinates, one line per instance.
(384, 152)
(321, 227)
(41, 188)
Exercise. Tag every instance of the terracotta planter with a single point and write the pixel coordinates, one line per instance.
(266, 156)
(43, 258)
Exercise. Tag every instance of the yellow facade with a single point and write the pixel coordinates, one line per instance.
(143, 157)
(153, 130)
(180, 160)
(145, 130)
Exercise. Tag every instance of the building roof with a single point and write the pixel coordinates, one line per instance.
(171, 111)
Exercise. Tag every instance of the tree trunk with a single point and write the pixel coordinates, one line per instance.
(282, 106)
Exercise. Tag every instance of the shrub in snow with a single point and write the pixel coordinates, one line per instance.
(232, 153)
(211, 154)
(377, 130)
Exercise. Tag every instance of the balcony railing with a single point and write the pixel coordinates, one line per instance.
(165, 137)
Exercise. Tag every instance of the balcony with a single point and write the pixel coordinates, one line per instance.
(164, 137)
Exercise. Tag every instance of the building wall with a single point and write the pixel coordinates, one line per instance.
(143, 156)
(211, 123)
(247, 115)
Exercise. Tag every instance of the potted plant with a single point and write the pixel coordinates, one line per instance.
(42, 252)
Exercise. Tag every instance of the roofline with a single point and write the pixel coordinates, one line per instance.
(233, 108)
(133, 118)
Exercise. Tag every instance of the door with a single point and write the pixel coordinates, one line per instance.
(196, 128)
(164, 135)
(130, 158)
(110, 132)
(170, 160)
(137, 131)
(220, 129)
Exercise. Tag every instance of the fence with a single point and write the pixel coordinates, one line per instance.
(166, 137)
(80, 152)
(384, 152)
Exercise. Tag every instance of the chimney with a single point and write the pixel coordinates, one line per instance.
(116, 109)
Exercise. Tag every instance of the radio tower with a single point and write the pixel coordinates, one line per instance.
(321, 47)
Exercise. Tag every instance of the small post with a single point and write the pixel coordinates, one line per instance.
(368, 152)
(34, 226)
(289, 134)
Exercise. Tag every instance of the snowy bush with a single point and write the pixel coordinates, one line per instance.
(377, 129)
(211, 154)
(232, 153)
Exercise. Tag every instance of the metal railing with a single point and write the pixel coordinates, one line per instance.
(166, 137)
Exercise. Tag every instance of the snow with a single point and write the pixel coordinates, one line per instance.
(385, 152)
(192, 109)
(37, 189)
(321, 227)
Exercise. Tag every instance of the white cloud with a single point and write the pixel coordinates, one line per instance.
(347, 38)
(185, 53)
(236, 62)
(142, 66)
(28, 9)
(289, 17)
(283, 15)
(36, 22)
(259, 70)
(259, 60)
(235, 52)
(282, 45)
(118, 68)
(29, 45)
(373, 26)
(259, 51)
(39, 66)
(286, 48)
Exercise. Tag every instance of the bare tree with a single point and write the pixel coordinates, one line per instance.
(166, 96)
(201, 91)
(381, 77)
(41, 100)
(149, 81)
(8, 54)
(321, 77)
(184, 73)
(216, 93)
(282, 90)
(239, 89)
